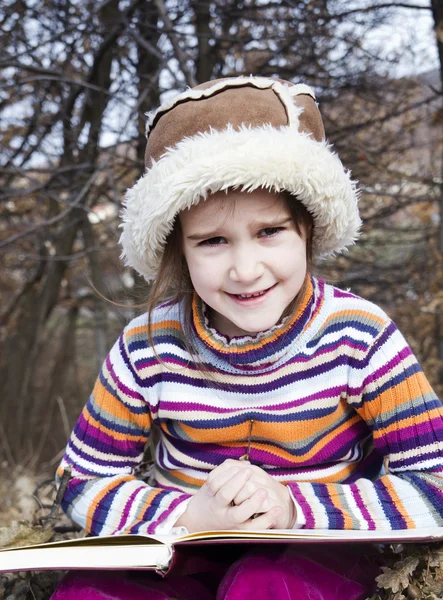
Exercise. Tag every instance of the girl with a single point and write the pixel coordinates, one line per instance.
(277, 397)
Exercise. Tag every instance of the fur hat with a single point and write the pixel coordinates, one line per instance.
(240, 132)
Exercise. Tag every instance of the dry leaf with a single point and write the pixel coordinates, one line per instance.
(397, 578)
(22, 534)
(436, 557)
(435, 588)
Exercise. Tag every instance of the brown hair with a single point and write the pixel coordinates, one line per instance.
(173, 282)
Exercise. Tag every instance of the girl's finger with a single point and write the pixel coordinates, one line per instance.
(228, 491)
(265, 520)
(249, 507)
(226, 466)
(215, 483)
(250, 488)
(246, 491)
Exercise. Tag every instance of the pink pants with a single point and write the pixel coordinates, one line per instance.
(275, 572)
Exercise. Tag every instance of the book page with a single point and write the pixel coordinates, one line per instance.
(316, 535)
(87, 556)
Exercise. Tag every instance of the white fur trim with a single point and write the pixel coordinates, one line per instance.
(246, 158)
(301, 88)
(258, 82)
(292, 110)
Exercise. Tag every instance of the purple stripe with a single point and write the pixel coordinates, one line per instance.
(118, 466)
(304, 504)
(267, 457)
(384, 337)
(342, 294)
(164, 515)
(427, 432)
(402, 463)
(196, 406)
(355, 345)
(127, 508)
(103, 440)
(275, 384)
(145, 363)
(340, 442)
(121, 386)
(361, 505)
(138, 380)
(382, 371)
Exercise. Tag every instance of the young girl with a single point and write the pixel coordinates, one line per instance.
(277, 397)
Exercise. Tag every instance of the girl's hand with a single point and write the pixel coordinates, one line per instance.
(278, 494)
(213, 508)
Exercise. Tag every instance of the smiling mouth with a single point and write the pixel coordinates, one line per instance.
(252, 295)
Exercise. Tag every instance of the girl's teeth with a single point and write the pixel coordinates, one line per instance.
(251, 295)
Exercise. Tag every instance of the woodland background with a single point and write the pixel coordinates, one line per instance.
(77, 77)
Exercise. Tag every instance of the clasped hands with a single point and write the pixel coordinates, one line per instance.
(238, 495)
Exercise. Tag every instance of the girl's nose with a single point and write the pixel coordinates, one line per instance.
(246, 267)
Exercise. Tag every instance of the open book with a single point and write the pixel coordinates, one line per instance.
(157, 552)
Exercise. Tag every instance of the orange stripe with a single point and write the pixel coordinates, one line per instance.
(413, 387)
(107, 401)
(285, 455)
(96, 502)
(111, 432)
(335, 499)
(186, 478)
(359, 313)
(410, 422)
(280, 432)
(149, 501)
(398, 503)
(332, 435)
(210, 436)
(338, 476)
(155, 326)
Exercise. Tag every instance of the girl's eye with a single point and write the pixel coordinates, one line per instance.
(215, 241)
(270, 231)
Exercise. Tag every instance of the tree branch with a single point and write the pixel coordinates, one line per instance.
(179, 54)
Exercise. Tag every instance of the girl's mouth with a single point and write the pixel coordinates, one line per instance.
(252, 297)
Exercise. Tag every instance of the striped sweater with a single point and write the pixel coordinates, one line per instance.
(324, 400)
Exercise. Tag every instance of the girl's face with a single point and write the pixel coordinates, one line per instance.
(245, 258)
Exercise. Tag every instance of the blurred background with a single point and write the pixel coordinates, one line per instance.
(77, 78)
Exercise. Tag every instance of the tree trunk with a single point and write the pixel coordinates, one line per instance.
(437, 13)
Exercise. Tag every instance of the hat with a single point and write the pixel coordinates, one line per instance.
(239, 132)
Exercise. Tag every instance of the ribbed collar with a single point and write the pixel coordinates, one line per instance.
(259, 351)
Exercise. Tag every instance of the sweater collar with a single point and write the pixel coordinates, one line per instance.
(259, 350)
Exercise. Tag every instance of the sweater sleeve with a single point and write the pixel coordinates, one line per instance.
(103, 496)
(390, 392)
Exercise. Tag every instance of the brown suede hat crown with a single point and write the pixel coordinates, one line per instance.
(253, 107)
(242, 132)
